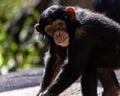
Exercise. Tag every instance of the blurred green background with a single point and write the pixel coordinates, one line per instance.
(21, 51)
(20, 47)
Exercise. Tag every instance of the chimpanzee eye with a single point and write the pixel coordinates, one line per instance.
(49, 29)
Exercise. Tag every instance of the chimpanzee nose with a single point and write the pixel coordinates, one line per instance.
(58, 34)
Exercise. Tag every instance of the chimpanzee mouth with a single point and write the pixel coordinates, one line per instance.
(65, 43)
(61, 38)
(65, 39)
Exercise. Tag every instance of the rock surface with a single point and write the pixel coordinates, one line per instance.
(74, 90)
(26, 83)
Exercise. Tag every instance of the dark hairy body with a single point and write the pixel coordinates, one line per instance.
(90, 41)
(111, 9)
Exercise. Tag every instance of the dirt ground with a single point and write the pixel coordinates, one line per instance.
(73, 90)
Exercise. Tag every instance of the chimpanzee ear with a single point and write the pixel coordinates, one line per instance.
(37, 27)
(71, 12)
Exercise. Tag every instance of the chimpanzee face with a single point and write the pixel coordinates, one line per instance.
(58, 31)
(53, 24)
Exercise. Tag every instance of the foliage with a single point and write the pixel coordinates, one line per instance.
(17, 56)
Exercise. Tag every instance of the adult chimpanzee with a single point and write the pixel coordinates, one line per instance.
(89, 40)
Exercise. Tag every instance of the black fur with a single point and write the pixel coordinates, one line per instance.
(99, 45)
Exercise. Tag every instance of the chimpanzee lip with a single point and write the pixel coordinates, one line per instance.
(64, 43)
(65, 39)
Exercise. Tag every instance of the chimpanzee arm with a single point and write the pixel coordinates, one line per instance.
(53, 65)
(77, 59)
